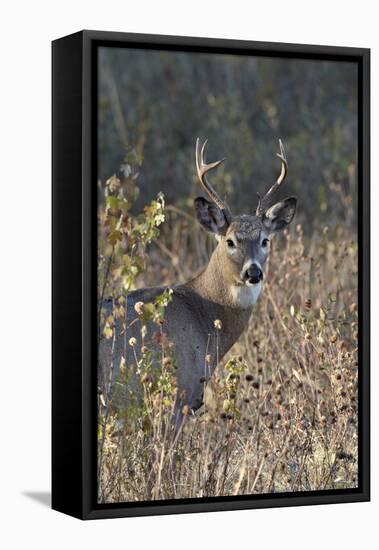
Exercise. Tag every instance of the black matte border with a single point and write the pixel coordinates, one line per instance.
(86, 375)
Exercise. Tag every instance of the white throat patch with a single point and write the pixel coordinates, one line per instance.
(245, 296)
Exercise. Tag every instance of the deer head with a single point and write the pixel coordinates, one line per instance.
(243, 241)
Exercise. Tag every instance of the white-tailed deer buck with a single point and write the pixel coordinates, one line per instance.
(226, 290)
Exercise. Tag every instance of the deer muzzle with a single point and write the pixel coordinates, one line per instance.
(253, 274)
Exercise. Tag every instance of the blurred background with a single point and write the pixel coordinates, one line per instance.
(153, 105)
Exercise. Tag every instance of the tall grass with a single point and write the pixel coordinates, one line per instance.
(280, 412)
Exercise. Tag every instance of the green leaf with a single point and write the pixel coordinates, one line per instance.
(148, 312)
(108, 332)
(112, 202)
(114, 236)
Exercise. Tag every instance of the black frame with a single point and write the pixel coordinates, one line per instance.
(74, 294)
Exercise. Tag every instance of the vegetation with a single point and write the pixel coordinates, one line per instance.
(280, 412)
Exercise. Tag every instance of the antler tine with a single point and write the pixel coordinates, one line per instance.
(263, 202)
(202, 169)
(284, 168)
(259, 208)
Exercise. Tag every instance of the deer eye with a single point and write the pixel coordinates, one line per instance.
(230, 243)
(265, 243)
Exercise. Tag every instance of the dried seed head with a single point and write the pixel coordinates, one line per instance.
(186, 410)
(218, 324)
(208, 358)
(202, 380)
(139, 308)
(308, 336)
(333, 339)
(342, 455)
(166, 361)
(249, 378)
(132, 341)
(308, 304)
(145, 379)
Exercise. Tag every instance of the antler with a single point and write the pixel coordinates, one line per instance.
(264, 202)
(202, 169)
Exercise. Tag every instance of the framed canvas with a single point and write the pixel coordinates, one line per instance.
(211, 323)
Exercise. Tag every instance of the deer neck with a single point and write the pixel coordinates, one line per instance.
(223, 299)
(218, 286)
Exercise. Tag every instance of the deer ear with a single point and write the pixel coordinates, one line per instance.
(280, 215)
(211, 217)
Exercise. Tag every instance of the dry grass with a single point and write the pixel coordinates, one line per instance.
(280, 413)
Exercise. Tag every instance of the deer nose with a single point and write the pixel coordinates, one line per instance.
(253, 274)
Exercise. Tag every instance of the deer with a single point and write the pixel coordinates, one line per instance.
(208, 314)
